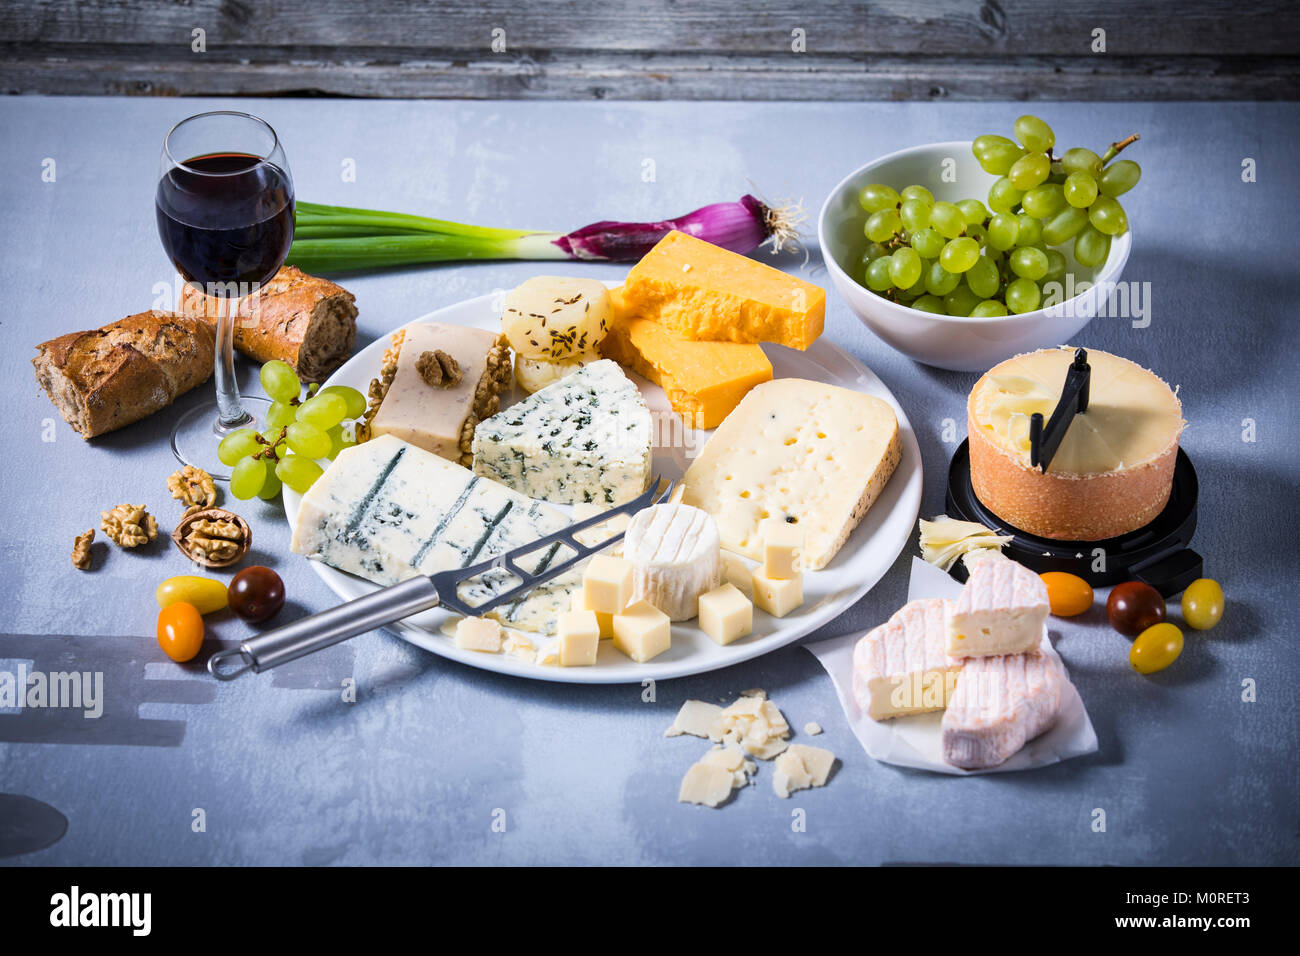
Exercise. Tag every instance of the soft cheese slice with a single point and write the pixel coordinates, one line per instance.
(387, 511)
(811, 454)
(1001, 610)
(585, 438)
(900, 667)
(999, 704)
(441, 419)
(675, 558)
(702, 291)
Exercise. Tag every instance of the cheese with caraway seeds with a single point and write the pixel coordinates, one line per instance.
(702, 291)
(811, 454)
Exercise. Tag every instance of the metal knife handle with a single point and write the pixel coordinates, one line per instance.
(327, 628)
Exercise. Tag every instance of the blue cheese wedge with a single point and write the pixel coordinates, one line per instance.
(586, 438)
(386, 511)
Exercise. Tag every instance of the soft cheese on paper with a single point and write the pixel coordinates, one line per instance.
(901, 667)
(1002, 609)
(999, 704)
(812, 454)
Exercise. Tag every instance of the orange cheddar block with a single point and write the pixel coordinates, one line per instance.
(702, 291)
(704, 381)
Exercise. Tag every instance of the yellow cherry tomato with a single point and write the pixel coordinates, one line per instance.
(180, 631)
(1156, 648)
(1203, 604)
(1068, 594)
(206, 594)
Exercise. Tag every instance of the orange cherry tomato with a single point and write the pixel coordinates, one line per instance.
(1068, 594)
(180, 631)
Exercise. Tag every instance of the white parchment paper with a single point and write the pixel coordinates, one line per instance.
(916, 741)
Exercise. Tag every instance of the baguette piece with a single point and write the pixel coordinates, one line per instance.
(109, 377)
(309, 322)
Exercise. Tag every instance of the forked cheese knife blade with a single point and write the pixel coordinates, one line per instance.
(421, 593)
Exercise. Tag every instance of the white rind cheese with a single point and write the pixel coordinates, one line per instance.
(999, 705)
(586, 438)
(675, 558)
(1001, 610)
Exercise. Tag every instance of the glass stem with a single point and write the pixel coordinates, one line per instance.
(230, 410)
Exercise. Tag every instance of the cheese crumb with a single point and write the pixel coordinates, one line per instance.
(478, 634)
(707, 784)
(696, 718)
(812, 728)
(801, 767)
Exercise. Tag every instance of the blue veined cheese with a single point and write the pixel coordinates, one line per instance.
(586, 438)
(386, 511)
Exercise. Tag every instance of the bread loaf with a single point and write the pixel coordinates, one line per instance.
(110, 377)
(309, 322)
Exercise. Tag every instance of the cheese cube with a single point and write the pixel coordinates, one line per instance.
(726, 615)
(780, 541)
(642, 632)
(607, 584)
(604, 620)
(478, 634)
(777, 596)
(579, 635)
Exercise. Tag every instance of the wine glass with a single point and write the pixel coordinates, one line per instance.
(225, 216)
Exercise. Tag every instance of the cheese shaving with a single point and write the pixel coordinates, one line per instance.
(944, 540)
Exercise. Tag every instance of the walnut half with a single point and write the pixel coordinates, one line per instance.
(81, 550)
(129, 526)
(213, 537)
(438, 369)
(193, 487)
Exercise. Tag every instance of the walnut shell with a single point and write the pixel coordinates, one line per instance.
(181, 537)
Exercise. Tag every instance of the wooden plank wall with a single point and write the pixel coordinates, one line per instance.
(656, 49)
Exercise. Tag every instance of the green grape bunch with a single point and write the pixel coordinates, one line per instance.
(972, 259)
(300, 432)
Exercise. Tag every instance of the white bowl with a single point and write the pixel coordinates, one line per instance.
(945, 341)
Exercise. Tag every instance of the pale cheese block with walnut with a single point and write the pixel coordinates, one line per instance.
(814, 455)
(1115, 467)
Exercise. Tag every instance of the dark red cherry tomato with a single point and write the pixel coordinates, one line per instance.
(256, 594)
(1133, 607)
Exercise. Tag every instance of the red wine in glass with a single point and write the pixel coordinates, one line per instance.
(226, 218)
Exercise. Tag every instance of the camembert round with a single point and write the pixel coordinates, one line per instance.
(1115, 467)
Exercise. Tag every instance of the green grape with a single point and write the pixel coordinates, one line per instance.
(917, 194)
(1080, 160)
(983, 277)
(929, 303)
(939, 281)
(978, 232)
(273, 437)
(308, 440)
(297, 472)
(988, 309)
(1045, 201)
(1056, 178)
(1030, 231)
(1107, 216)
(280, 381)
(958, 255)
(1080, 190)
(280, 414)
(874, 251)
(272, 486)
(877, 276)
(1035, 135)
(914, 214)
(356, 402)
(947, 220)
(995, 154)
(237, 445)
(873, 198)
(1055, 265)
(1119, 177)
(1023, 295)
(960, 301)
(1091, 248)
(1029, 263)
(917, 288)
(1064, 226)
(882, 225)
(972, 211)
(1029, 170)
(1003, 229)
(323, 411)
(247, 478)
(927, 243)
(905, 267)
(1003, 197)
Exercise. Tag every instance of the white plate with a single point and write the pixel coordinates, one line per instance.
(865, 557)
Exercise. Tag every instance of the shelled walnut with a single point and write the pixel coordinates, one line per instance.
(129, 526)
(213, 537)
(438, 369)
(193, 487)
(81, 550)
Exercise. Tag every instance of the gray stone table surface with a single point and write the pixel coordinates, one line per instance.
(432, 754)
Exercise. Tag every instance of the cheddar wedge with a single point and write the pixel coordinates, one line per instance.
(704, 292)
